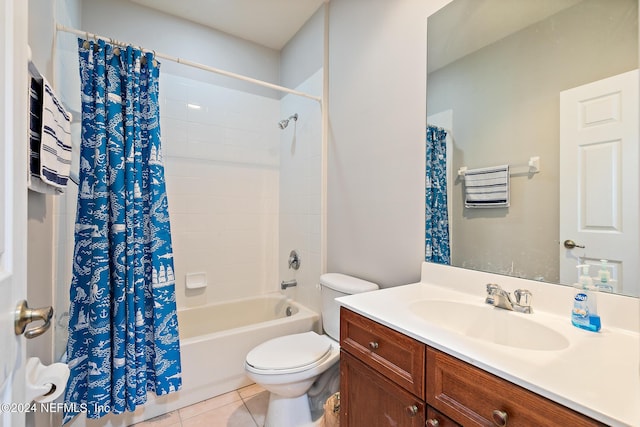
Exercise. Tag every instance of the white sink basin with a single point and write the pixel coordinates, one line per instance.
(490, 324)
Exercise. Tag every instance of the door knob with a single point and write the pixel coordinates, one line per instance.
(25, 315)
(570, 244)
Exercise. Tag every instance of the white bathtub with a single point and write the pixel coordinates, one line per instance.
(214, 342)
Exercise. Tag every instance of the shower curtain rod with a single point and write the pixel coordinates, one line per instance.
(183, 61)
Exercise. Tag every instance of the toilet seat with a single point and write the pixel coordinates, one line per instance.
(289, 354)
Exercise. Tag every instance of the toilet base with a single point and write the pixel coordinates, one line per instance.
(288, 411)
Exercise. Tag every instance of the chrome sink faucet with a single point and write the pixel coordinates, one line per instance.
(500, 298)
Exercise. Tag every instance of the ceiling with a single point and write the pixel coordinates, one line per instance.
(479, 23)
(270, 23)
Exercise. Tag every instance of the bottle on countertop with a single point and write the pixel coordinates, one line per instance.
(584, 314)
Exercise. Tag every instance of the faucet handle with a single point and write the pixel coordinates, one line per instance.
(492, 289)
(523, 297)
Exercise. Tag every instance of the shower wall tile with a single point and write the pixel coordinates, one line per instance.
(174, 109)
(299, 192)
(221, 165)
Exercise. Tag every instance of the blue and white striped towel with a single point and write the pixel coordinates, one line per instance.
(487, 187)
(55, 139)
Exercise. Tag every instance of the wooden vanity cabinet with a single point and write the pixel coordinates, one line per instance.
(390, 379)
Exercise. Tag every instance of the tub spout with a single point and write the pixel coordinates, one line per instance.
(287, 284)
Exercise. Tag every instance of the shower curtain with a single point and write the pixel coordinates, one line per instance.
(123, 330)
(436, 216)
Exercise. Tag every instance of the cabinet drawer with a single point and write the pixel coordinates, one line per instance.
(367, 399)
(470, 396)
(392, 354)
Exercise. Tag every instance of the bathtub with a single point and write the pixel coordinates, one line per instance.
(214, 342)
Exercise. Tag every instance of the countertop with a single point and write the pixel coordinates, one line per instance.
(597, 374)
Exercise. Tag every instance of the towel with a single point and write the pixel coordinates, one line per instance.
(34, 181)
(55, 139)
(487, 187)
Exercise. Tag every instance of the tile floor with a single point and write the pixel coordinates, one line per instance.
(245, 407)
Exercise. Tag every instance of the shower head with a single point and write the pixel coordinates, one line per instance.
(284, 123)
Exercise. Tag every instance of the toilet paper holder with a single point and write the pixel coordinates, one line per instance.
(25, 315)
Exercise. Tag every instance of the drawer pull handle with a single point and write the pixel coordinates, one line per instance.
(412, 410)
(373, 345)
(500, 418)
(432, 422)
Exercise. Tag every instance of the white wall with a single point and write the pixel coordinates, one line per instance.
(300, 191)
(377, 105)
(221, 167)
(301, 162)
(129, 22)
(302, 56)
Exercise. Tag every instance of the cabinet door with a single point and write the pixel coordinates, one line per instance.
(367, 399)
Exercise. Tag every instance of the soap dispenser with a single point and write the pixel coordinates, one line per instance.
(585, 281)
(604, 281)
(604, 274)
(584, 314)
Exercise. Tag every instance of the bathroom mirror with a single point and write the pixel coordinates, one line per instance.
(496, 71)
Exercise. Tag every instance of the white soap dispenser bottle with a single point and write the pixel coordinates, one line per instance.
(604, 281)
(604, 274)
(585, 281)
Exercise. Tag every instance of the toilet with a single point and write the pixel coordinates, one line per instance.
(288, 366)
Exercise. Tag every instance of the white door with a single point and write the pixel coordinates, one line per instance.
(599, 162)
(13, 203)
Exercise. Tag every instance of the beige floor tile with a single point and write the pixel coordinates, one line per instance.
(232, 415)
(257, 405)
(170, 419)
(250, 390)
(209, 405)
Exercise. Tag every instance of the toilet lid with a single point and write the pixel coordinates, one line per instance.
(290, 352)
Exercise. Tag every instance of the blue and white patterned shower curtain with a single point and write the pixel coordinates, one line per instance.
(437, 247)
(123, 329)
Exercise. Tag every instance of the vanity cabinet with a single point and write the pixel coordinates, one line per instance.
(390, 379)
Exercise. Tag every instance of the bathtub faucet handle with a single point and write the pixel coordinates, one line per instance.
(287, 284)
(294, 260)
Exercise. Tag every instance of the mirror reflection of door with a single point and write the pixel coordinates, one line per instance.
(599, 180)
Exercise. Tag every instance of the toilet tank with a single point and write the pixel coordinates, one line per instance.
(332, 286)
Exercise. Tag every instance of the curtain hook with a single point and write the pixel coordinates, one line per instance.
(86, 44)
(153, 58)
